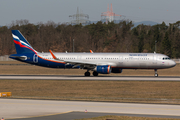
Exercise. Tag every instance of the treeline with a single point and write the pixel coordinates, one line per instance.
(99, 37)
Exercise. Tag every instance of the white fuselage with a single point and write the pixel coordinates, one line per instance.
(121, 60)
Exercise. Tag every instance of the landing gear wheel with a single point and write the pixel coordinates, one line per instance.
(95, 73)
(156, 74)
(87, 74)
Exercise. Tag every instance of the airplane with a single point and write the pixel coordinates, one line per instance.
(99, 63)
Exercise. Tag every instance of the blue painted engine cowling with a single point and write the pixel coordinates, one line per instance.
(103, 69)
(116, 70)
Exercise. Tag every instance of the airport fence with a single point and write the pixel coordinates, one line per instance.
(5, 58)
(177, 60)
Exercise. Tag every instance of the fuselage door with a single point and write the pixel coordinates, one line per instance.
(79, 57)
(35, 58)
(155, 59)
(120, 60)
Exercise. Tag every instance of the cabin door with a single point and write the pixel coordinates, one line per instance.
(120, 60)
(79, 57)
(155, 59)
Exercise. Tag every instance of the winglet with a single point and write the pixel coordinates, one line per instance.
(91, 51)
(53, 55)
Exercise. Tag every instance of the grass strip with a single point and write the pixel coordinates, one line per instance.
(125, 118)
(116, 91)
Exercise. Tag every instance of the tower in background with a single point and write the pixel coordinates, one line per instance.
(79, 18)
(109, 16)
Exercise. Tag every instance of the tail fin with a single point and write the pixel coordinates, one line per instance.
(21, 44)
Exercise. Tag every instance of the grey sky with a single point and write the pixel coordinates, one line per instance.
(59, 10)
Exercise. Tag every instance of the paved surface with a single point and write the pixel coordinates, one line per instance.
(80, 115)
(60, 77)
(20, 108)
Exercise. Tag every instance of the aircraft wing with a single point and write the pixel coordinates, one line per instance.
(74, 62)
(79, 62)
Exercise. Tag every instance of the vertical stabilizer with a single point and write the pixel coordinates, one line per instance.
(21, 44)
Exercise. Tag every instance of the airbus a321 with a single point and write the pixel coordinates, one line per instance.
(99, 63)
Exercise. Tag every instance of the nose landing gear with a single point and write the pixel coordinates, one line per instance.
(156, 74)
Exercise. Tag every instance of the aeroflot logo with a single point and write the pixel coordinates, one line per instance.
(16, 38)
(134, 54)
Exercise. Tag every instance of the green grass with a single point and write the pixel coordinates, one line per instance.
(116, 91)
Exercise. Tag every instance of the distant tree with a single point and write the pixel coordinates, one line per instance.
(166, 44)
(99, 37)
(135, 31)
(141, 42)
(163, 26)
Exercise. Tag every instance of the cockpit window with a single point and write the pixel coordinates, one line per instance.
(166, 58)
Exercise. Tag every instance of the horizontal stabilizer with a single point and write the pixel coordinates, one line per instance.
(19, 57)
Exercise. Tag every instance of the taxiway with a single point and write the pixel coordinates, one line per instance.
(23, 108)
(62, 77)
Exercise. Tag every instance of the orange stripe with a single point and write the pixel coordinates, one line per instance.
(108, 68)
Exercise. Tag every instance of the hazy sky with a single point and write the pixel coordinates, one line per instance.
(59, 10)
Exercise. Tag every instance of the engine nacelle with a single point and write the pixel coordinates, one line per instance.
(103, 69)
(116, 70)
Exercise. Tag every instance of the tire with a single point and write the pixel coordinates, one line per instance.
(87, 74)
(95, 73)
(156, 75)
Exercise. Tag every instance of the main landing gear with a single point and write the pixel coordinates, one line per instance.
(87, 73)
(95, 73)
(156, 74)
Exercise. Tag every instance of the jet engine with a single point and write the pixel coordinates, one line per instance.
(116, 70)
(103, 69)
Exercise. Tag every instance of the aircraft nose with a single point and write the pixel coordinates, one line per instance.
(172, 63)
